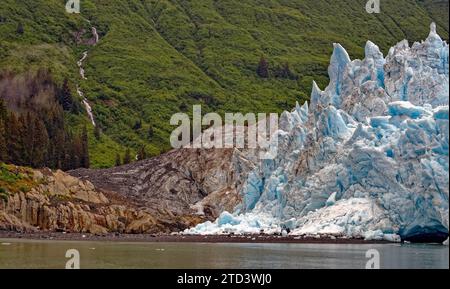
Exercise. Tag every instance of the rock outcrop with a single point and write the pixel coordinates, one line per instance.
(184, 182)
(57, 201)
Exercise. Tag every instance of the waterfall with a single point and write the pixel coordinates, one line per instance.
(83, 76)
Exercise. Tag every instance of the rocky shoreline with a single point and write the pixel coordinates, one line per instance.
(164, 238)
(53, 201)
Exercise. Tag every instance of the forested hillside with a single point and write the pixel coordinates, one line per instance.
(155, 58)
(33, 129)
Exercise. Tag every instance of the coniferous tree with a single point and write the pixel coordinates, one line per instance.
(3, 111)
(76, 163)
(137, 125)
(58, 151)
(142, 153)
(263, 68)
(183, 107)
(287, 72)
(151, 132)
(14, 132)
(127, 157)
(284, 71)
(76, 153)
(85, 163)
(28, 137)
(40, 145)
(69, 161)
(3, 121)
(3, 147)
(20, 30)
(65, 96)
(118, 160)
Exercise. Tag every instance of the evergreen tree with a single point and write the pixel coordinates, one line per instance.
(118, 160)
(3, 111)
(3, 147)
(287, 72)
(68, 162)
(20, 30)
(14, 132)
(76, 163)
(40, 145)
(284, 71)
(142, 153)
(263, 68)
(183, 107)
(58, 151)
(76, 152)
(151, 132)
(28, 138)
(137, 125)
(3, 121)
(65, 96)
(76, 107)
(127, 157)
(85, 163)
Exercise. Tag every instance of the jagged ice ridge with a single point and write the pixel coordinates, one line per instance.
(369, 156)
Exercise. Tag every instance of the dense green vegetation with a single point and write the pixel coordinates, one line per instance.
(15, 179)
(159, 57)
(33, 129)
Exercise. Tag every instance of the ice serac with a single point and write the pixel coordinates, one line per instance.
(338, 63)
(368, 159)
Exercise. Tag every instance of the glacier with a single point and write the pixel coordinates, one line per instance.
(368, 157)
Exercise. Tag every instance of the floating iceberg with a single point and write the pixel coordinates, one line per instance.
(368, 157)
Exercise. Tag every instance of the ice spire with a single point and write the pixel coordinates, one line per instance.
(437, 51)
(302, 111)
(372, 51)
(433, 36)
(338, 63)
(316, 94)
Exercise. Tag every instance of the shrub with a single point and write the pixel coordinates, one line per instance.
(4, 194)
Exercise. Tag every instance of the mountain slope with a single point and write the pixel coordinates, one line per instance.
(158, 57)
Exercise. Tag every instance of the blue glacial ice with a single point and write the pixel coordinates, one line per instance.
(368, 157)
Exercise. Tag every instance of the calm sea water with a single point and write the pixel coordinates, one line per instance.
(51, 254)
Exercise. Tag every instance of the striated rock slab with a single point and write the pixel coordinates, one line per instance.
(182, 182)
(60, 202)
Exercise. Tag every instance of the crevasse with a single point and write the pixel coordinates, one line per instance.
(368, 157)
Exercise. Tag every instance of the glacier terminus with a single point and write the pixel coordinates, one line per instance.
(368, 157)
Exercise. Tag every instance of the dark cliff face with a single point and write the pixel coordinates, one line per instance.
(193, 182)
